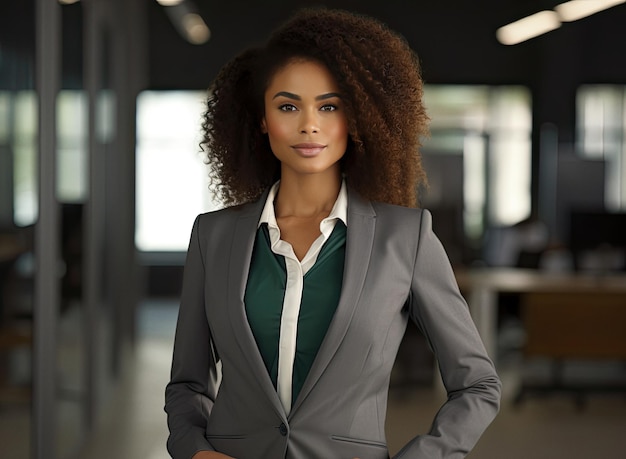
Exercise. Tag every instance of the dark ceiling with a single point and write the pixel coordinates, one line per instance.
(455, 40)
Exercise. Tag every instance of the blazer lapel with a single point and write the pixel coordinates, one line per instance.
(239, 266)
(359, 241)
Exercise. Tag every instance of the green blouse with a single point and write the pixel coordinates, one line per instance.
(264, 295)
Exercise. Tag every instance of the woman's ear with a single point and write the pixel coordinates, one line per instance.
(263, 126)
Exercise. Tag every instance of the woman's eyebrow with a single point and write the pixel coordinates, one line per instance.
(293, 96)
(329, 95)
(288, 95)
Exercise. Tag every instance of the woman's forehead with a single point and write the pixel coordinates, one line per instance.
(302, 76)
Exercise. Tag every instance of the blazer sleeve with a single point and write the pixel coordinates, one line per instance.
(472, 385)
(191, 391)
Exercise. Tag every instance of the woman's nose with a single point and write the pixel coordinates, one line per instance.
(309, 122)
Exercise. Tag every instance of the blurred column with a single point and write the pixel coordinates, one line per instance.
(93, 216)
(114, 74)
(47, 242)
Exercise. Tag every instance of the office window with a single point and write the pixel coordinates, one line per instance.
(172, 179)
(601, 124)
(490, 128)
(72, 161)
(23, 137)
(20, 132)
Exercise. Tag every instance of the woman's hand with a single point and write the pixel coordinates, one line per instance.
(210, 455)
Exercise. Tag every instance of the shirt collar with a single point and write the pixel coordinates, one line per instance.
(339, 210)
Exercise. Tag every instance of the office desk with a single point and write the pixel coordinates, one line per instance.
(482, 286)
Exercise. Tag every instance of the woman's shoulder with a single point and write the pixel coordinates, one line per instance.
(401, 221)
(230, 212)
(222, 212)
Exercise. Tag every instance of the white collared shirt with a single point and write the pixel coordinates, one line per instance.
(296, 270)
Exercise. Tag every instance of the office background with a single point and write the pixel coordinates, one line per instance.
(101, 177)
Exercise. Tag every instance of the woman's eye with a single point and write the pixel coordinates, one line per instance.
(329, 108)
(287, 107)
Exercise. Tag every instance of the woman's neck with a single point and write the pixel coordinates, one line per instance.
(306, 196)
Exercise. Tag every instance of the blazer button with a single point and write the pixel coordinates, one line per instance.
(282, 429)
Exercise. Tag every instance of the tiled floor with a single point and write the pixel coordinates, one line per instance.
(541, 428)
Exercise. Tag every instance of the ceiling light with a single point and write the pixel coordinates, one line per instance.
(189, 23)
(196, 29)
(169, 2)
(578, 9)
(528, 27)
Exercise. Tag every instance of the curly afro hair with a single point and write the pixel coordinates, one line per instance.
(381, 85)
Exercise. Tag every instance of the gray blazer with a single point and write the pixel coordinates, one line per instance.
(220, 396)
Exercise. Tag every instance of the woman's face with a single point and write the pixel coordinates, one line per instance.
(305, 119)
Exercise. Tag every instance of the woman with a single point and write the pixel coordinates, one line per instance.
(296, 297)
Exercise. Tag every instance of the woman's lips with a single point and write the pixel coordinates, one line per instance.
(308, 149)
